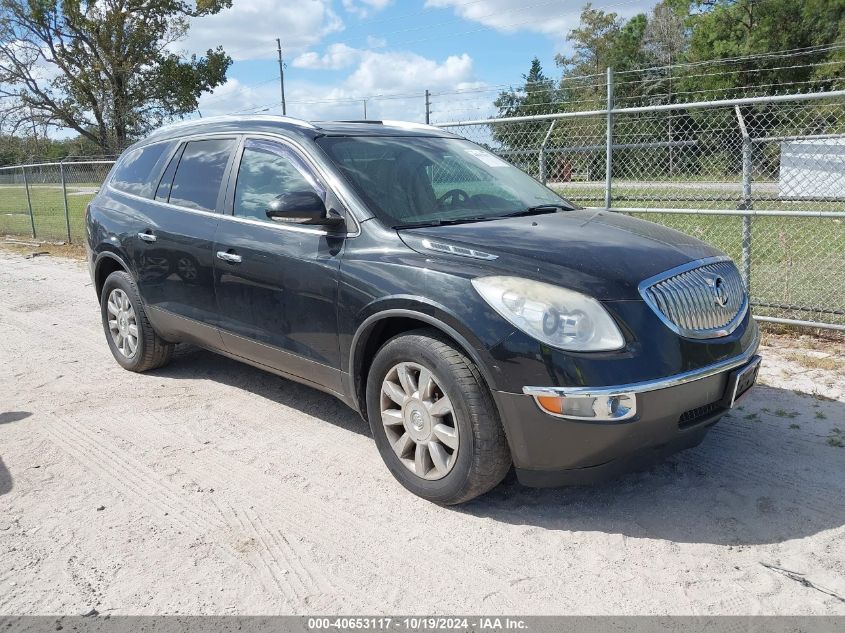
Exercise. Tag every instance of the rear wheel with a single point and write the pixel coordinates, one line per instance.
(132, 340)
(434, 420)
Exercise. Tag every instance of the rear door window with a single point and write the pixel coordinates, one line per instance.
(138, 170)
(200, 173)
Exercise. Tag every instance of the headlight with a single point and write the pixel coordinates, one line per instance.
(559, 317)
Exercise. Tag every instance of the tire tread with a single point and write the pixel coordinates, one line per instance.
(491, 459)
(155, 351)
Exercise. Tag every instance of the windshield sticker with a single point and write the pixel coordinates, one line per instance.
(486, 158)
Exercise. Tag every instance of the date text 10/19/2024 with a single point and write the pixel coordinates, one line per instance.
(417, 624)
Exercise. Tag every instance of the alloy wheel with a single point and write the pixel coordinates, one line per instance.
(123, 324)
(419, 421)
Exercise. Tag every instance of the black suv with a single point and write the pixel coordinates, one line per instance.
(473, 316)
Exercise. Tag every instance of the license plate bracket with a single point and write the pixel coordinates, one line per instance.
(741, 380)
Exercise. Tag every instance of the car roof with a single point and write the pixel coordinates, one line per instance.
(297, 127)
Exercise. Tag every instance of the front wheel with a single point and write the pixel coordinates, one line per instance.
(434, 420)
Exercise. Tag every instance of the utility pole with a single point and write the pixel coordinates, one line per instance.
(281, 75)
(365, 109)
(427, 107)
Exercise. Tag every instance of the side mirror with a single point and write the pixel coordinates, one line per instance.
(301, 207)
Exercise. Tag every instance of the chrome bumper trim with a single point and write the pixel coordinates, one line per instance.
(651, 385)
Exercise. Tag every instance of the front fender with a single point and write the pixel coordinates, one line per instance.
(431, 313)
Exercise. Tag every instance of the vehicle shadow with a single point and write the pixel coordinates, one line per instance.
(755, 479)
(5, 478)
(769, 472)
(7, 417)
(13, 416)
(195, 363)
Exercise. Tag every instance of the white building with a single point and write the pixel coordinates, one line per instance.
(813, 168)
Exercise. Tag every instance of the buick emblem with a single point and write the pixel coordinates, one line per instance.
(720, 293)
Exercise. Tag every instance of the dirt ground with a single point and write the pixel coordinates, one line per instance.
(209, 487)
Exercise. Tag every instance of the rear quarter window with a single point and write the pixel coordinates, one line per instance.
(137, 171)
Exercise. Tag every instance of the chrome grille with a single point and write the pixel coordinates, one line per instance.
(702, 299)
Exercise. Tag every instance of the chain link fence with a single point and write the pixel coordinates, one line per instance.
(48, 200)
(761, 178)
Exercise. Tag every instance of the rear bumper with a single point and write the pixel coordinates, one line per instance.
(550, 451)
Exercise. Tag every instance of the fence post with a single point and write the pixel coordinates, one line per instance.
(747, 203)
(608, 169)
(28, 200)
(543, 152)
(64, 198)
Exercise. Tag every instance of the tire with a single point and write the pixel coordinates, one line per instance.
(480, 459)
(126, 310)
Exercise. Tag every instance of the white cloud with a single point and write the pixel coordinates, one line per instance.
(337, 56)
(377, 73)
(363, 8)
(376, 42)
(248, 30)
(549, 18)
(398, 71)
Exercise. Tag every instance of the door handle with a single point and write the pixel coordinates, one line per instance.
(147, 237)
(232, 258)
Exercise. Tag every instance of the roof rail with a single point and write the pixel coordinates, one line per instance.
(409, 125)
(249, 117)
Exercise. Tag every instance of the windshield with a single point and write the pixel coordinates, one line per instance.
(412, 181)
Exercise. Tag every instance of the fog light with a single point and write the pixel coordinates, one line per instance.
(613, 408)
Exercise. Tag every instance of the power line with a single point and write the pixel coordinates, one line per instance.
(809, 50)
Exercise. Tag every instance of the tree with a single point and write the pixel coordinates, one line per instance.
(104, 68)
(727, 29)
(601, 41)
(664, 43)
(537, 95)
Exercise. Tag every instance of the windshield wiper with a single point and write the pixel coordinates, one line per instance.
(441, 222)
(539, 209)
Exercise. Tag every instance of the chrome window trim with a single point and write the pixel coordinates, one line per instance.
(336, 186)
(651, 385)
(222, 216)
(719, 332)
(333, 184)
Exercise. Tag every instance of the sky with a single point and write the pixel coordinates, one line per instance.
(339, 52)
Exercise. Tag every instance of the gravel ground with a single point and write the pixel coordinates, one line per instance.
(209, 487)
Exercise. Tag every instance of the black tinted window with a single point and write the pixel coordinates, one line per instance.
(137, 172)
(267, 171)
(200, 173)
(163, 191)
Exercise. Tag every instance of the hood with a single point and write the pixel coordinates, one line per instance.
(603, 254)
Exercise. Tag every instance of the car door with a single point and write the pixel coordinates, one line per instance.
(175, 256)
(277, 283)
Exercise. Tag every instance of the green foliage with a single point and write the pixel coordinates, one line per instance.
(693, 31)
(105, 68)
(658, 58)
(537, 95)
(726, 29)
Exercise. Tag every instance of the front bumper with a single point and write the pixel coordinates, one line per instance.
(673, 413)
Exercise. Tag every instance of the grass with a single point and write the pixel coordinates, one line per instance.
(47, 209)
(809, 361)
